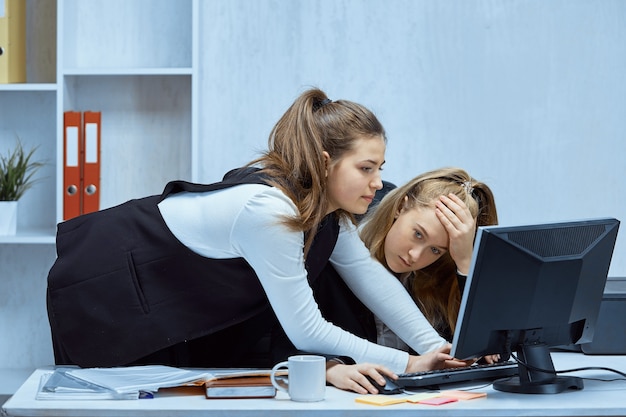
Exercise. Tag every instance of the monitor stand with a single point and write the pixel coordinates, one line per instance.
(533, 381)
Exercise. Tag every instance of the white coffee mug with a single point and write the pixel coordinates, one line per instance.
(306, 377)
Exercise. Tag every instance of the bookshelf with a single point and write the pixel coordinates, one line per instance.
(134, 61)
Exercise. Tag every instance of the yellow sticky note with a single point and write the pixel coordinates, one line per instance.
(378, 399)
(463, 395)
(421, 396)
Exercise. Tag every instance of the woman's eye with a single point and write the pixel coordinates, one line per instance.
(418, 235)
(435, 251)
(367, 169)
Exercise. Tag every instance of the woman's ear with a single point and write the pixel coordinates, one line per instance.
(402, 206)
(326, 162)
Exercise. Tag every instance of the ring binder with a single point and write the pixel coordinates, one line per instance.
(12, 41)
(91, 162)
(81, 159)
(72, 155)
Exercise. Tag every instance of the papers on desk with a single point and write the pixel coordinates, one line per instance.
(58, 385)
(127, 382)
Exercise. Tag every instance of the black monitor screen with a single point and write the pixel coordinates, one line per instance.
(531, 288)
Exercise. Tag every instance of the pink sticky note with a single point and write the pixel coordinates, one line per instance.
(438, 400)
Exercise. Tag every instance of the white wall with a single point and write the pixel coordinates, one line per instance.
(528, 96)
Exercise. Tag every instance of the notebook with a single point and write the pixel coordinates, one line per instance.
(240, 387)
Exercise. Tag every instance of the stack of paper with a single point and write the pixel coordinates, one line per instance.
(58, 385)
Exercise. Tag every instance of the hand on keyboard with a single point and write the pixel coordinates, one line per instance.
(437, 359)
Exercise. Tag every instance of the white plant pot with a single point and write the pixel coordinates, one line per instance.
(8, 218)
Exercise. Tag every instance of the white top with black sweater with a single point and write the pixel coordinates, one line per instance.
(244, 221)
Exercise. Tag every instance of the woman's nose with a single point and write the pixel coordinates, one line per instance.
(414, 253)
(377, 182)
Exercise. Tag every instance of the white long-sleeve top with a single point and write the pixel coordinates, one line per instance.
(244, 221)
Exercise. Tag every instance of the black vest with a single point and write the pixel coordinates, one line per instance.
(123, 286)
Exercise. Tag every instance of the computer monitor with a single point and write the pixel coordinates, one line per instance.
(531, 288)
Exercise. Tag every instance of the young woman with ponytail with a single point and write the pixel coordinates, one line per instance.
(199, 275)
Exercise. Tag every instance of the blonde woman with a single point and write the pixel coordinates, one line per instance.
(423, 232)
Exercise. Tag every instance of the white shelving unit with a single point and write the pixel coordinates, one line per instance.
(134, 61)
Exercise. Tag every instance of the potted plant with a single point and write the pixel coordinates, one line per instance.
(16, 177)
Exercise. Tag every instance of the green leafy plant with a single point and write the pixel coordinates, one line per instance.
(16, 172)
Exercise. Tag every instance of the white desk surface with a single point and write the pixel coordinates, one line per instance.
(597, 398)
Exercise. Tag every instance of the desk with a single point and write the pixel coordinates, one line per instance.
(597, 398)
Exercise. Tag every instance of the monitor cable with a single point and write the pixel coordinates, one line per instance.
(565, 371)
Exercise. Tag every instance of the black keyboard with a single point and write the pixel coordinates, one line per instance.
(427, 379)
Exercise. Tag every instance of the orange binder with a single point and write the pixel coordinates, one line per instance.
(72, 144)
(12, 41)
(91, 161)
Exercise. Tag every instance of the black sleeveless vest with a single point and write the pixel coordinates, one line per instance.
(123, 286)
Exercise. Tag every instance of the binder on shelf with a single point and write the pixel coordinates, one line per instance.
(12, 41)
(91, 162)
(81, 163)
(72, 155)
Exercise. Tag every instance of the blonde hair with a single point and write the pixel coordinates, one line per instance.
(434, 287)
(294, 161)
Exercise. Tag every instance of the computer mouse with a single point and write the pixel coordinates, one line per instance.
(390, 387)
